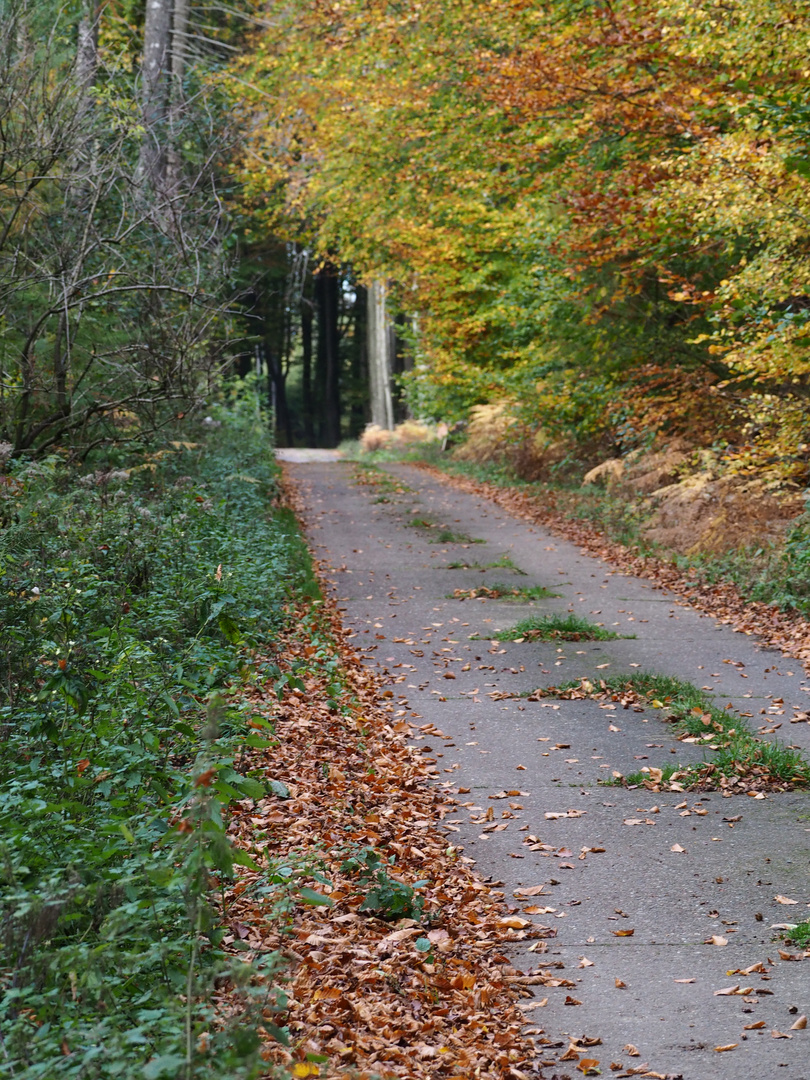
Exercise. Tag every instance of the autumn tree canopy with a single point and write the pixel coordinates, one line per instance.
(574, 199)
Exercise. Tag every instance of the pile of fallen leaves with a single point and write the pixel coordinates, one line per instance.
(426, 996)
(785, 630)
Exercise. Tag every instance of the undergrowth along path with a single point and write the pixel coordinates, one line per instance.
(651, 900)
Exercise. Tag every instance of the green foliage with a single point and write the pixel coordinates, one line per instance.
(386, 896)
(130, 598)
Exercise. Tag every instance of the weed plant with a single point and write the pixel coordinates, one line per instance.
(131, 595)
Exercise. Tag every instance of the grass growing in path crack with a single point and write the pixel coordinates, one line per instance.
(555, 628)
(503, 592)
(800, 934)
(372, 476)
(445, 535)
(503, 562)
(742, 761)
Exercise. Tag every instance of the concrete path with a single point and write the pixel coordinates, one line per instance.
(634, 885)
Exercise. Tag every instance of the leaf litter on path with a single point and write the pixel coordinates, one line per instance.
(406, 997)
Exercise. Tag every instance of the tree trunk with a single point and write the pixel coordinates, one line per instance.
(155, 91)
(87, 46)
(306, 373)
(381, 349)
(279, 399)
(326, 295)
(176, 93)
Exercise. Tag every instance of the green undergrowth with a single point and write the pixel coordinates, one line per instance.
(739, 755)
(500, 591)
(555, 627)
(133, 591)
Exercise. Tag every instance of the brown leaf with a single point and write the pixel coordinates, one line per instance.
(620, 985)
(532, 890)
(716, 939)
(728, 1046)
(780, 1035)
(784, 899)
(571, 1000)
(678, 848)
(756, 1026)
(631, 1050)
(588, 1066)
(623, 933)
(799, 1024)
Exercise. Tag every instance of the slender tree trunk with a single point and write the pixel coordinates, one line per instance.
(306, 373)
(276, 376)
(326, 293)
(155, 91)
(381, 348)
(177, 96)
(360, 410)
(87, 46)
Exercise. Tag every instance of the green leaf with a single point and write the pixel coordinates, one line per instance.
(280, 789)
(423, 944)
(309, 896)
(241, 858)
(252, 788)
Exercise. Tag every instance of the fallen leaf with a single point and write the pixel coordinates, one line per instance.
(571, 1000)
(756, 1026)
(727, 990)
(780, 1035)
(684, 980)
(532, 890)
(716, 939)
(623, 933)
(728, 1046)
(620, 985)
(678, 848)
(584, 962)
(588, 1066)
(631, 1050)
(790, 956)
(514, 922)
(799, 1024)
(784, 899)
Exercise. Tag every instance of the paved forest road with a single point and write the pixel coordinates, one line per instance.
(654, 989)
